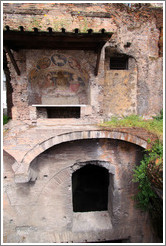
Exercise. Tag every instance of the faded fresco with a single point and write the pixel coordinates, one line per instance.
(58, 79)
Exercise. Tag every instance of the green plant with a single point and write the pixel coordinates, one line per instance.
(147, 172)
(159, 116)
(5, 119)
(153, 125)
(145, 192)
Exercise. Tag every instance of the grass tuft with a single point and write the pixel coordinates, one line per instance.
(154, 126)
(5, 119)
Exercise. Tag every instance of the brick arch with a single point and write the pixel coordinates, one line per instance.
(61, 178)
(101, 163)
(24, 173)
(80, 135)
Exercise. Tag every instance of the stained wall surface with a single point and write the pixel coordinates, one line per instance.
(42, 211)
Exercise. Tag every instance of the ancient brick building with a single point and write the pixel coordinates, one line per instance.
(68, 68)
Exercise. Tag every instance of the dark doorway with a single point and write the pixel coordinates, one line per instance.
(90, 188)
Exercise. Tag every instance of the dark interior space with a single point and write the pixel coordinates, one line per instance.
(90, 188)
(119, 62)
(63, 112)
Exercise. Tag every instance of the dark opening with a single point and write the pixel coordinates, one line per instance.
(119, 63)
(90, 189)
(63, 112)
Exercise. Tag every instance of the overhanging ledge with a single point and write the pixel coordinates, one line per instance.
(17, 40)
(55, 40)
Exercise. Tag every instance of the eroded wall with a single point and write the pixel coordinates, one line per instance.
(137, 32)
(42, 211)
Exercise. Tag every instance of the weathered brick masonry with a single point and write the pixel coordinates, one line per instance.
(141, 29)
(57, 102)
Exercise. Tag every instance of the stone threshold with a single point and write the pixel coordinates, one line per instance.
(91, 221)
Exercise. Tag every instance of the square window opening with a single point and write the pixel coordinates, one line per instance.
(119, 63)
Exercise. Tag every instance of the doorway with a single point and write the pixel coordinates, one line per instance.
(90, 189)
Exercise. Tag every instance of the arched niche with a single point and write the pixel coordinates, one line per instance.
(58, 79)
(93, 187)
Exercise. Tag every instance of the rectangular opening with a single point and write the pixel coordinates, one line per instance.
(90, 189)
(119, 63)
(60, 112)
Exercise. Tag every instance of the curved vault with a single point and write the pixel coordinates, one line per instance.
(23, 172)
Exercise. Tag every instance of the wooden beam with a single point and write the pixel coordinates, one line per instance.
(46, 40)
(12, 60)
(98, 60)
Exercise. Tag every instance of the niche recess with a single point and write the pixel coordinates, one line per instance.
(63, 112)
(58, 112)
(119, 62)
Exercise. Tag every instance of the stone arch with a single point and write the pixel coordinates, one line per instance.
(63, 180)
(24, 173)
(59, 178)
(107, 165)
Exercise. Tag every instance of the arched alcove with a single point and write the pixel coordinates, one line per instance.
(58, 79)
(90, 188)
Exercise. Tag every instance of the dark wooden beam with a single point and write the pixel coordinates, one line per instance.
(12, 59)
(54, 40)
(98, 60)
(49, 44)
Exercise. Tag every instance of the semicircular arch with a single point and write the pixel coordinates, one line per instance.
(24, 172)
(80, 135)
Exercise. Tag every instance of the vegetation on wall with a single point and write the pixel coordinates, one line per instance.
(5, 119)
(154, 125)
(149, 175)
